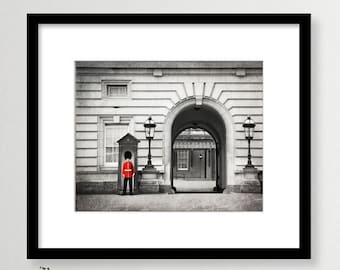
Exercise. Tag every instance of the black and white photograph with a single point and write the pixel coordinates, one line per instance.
(169, 135)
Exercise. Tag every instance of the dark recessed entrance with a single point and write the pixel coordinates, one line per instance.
(198, 150)
(194, 161)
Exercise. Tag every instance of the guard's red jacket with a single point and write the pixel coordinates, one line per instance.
(128, 169)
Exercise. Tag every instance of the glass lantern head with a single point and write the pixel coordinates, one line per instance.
(249, 126)
(149, 127)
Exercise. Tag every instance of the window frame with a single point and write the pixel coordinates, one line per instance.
(111, 164)
(187, 159)
(107, 83)
(119, 87)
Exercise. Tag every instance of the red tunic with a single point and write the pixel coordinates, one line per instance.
(128, 169)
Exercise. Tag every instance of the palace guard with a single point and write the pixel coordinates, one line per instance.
(128, 171)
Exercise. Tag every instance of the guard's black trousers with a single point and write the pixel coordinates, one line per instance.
(125, 184)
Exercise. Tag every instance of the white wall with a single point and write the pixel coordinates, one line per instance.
(325, 129)
(159, 96)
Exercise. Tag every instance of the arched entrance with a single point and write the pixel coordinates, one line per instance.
(211, 116)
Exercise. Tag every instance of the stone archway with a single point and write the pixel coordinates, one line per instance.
(210, 115)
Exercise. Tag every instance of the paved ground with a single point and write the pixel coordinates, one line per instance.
(171, 202)
(194, 186)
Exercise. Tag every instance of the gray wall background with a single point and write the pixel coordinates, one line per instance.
(325, 129)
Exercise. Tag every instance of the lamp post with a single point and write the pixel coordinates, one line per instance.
(249, 126)
(250, 181)
(149, 127)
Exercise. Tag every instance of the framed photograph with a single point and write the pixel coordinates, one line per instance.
(168, 136)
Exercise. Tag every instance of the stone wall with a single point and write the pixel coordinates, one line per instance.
(154, 88)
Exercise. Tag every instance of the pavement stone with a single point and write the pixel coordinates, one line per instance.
(170, 202)
(194, 186)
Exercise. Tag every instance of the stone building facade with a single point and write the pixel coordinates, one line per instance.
(115, 98)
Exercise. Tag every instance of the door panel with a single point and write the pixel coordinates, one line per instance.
(197, 169)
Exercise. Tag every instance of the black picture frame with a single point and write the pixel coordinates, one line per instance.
(33, 250)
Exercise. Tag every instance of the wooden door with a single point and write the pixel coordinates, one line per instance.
(198, 165)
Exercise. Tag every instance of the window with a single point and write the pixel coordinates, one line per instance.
(116, 90)
(183, 160)
(112, 134)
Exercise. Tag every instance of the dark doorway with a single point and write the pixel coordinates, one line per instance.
(199, 165)
(194, 161)
(207, 119)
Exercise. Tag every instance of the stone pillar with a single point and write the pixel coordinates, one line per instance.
(250, 183)
(149, 181)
